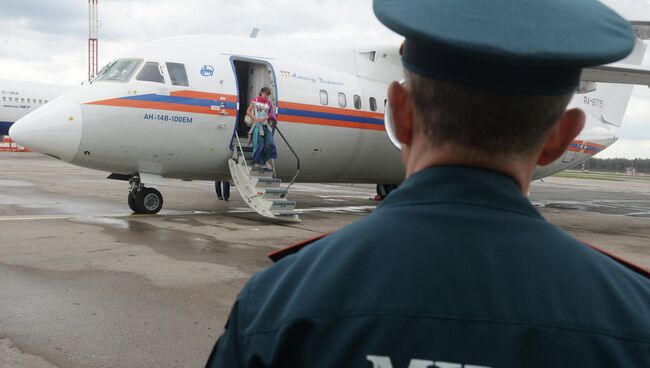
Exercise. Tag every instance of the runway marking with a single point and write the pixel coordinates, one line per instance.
(34, 218)
(69, 217)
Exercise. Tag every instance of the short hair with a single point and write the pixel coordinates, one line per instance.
(480, 120)
(266, 90)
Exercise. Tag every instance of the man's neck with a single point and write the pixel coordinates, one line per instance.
(519, 168)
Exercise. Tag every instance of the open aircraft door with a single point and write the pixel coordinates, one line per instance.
(251, 75)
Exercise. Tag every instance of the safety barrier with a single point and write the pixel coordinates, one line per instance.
(8, 145)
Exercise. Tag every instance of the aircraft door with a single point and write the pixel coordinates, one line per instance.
(251, 75)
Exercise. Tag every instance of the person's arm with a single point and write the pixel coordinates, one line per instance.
(226, 351)
(249, 112)
(272, 117)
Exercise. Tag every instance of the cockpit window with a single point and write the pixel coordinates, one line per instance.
(119, 71)
(151, 73)
(177, 74)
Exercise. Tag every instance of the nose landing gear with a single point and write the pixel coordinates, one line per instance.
(143, 200)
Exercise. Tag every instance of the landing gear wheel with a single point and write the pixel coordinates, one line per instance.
(132, 204)
(149, 201)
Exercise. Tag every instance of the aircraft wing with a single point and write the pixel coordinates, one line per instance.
(618, 73)
(623, 72)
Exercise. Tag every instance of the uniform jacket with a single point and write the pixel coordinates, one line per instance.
(454, 269)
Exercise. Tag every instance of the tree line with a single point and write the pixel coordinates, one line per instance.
(617, 165)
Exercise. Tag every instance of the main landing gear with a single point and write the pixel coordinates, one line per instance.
(143, 200)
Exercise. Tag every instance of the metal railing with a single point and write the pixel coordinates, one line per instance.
(293, 180)
(294, 153)
(241, 149)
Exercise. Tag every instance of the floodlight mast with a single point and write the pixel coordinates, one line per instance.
(93, 38)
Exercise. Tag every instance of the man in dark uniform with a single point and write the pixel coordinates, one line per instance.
(456, 268)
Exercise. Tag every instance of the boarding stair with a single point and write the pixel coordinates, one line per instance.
(260, 188)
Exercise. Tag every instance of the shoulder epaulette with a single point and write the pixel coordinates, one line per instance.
(636, 268)
(277, 255)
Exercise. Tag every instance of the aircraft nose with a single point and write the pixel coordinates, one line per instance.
(54, 129)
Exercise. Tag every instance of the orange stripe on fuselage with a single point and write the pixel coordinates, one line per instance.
(586, 147)
(181, 107)
(590, 144)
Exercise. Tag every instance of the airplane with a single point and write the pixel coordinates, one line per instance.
(19, 98)
(174, 109)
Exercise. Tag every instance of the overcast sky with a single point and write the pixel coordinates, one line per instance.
(47, 40)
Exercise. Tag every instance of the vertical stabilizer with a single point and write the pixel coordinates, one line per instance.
(609, 101)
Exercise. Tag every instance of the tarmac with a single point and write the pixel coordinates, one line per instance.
(85, 283)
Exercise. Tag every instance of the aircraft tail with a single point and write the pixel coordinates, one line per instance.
(609, 100)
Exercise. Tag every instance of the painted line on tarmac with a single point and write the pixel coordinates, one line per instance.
(77, 217)
(34, 218)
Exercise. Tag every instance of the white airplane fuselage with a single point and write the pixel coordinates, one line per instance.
(18, 98)
(187, 131)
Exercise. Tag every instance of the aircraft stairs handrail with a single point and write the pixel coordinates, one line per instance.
(293, 180)
(241, 149)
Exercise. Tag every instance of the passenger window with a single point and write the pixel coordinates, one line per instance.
(29, 100)
(177, 74)
(4, 98)
(373, 104)
(357, 102)
(324, 100)
(11, 99)
(22, 100)
(40, 102)
(119, 71)
(150, 73)
(45, 101)
(343, 101)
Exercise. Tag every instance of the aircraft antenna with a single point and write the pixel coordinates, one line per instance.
(93, 38)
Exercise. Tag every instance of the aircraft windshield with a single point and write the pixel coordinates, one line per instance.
(120, 70)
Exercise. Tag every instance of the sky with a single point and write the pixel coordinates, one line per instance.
(46, 41)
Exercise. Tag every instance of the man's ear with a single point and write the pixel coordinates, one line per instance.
(565, 130)
(401, 108)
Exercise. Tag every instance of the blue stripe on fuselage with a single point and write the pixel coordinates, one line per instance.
(323, 115)
(585, 147)
(182, 101)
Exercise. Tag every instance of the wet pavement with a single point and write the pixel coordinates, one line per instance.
(84, 283)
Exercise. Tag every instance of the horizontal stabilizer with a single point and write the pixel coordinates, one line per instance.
(642, 29)
(618, 73)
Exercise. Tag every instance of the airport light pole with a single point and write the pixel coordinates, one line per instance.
(93, 38)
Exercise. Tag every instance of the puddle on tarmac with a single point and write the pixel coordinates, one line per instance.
(181, 245)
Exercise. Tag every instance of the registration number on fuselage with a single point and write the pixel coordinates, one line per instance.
(169, 118)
